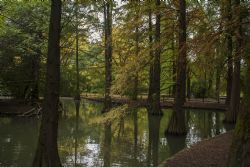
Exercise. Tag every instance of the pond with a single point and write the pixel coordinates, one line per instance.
(136, 140)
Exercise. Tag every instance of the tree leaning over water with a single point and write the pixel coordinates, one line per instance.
(47, 150)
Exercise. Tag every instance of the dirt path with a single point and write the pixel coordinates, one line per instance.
(207, 153)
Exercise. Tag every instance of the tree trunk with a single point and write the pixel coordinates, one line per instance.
(231, 114)
(217, 85)
(108, 54)
(240, 149)
(177, 123)
(150, 90)
(188, 84)
(135, 88)
(173, 64)
(47, 151)
(35, 76)
(229, 50)
(77, 95)
(154, 100)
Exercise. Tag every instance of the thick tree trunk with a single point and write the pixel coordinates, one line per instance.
(229, 50)
(150, 89)
(154, 100)
(47, 151)
(77, 95)
(240, 149)
(231, 114)
(177, 123)
(108, 54)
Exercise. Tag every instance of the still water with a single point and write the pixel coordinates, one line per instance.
(136, 140)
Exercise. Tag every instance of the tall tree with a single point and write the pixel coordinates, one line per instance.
(177, 123)
(232, 112)
(229, 48)
(240, 149)
(174, 62)
(151, 56)
(108, 53)
(239, 152)
(154, 99)
(137, 49)
(47, 151)
(77, 95)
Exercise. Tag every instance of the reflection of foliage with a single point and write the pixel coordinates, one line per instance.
(114, 114)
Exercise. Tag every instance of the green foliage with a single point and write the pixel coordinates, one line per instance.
(114, 114)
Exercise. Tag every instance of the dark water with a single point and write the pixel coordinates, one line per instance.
(136, 140)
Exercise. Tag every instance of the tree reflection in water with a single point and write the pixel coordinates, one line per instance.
(153, 139)
(77, 105)
(107, 145)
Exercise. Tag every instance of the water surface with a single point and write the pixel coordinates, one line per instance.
(136, 140)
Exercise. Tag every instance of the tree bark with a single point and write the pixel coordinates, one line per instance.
(240, 149)
(229, 50)
(231, 114)
(150, 89)
(177, 125)
(47, 151)
(108, 54)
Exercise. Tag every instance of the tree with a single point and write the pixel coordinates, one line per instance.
(239, 155)
(77, 96)
(229, 49)
(23, 38)
(47, 151)
(177, 123)
(108, 53)
(239, 151)
(234, 106)
(154, 87)
(137, 50)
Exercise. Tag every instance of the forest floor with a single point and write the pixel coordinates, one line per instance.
(207, 153)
